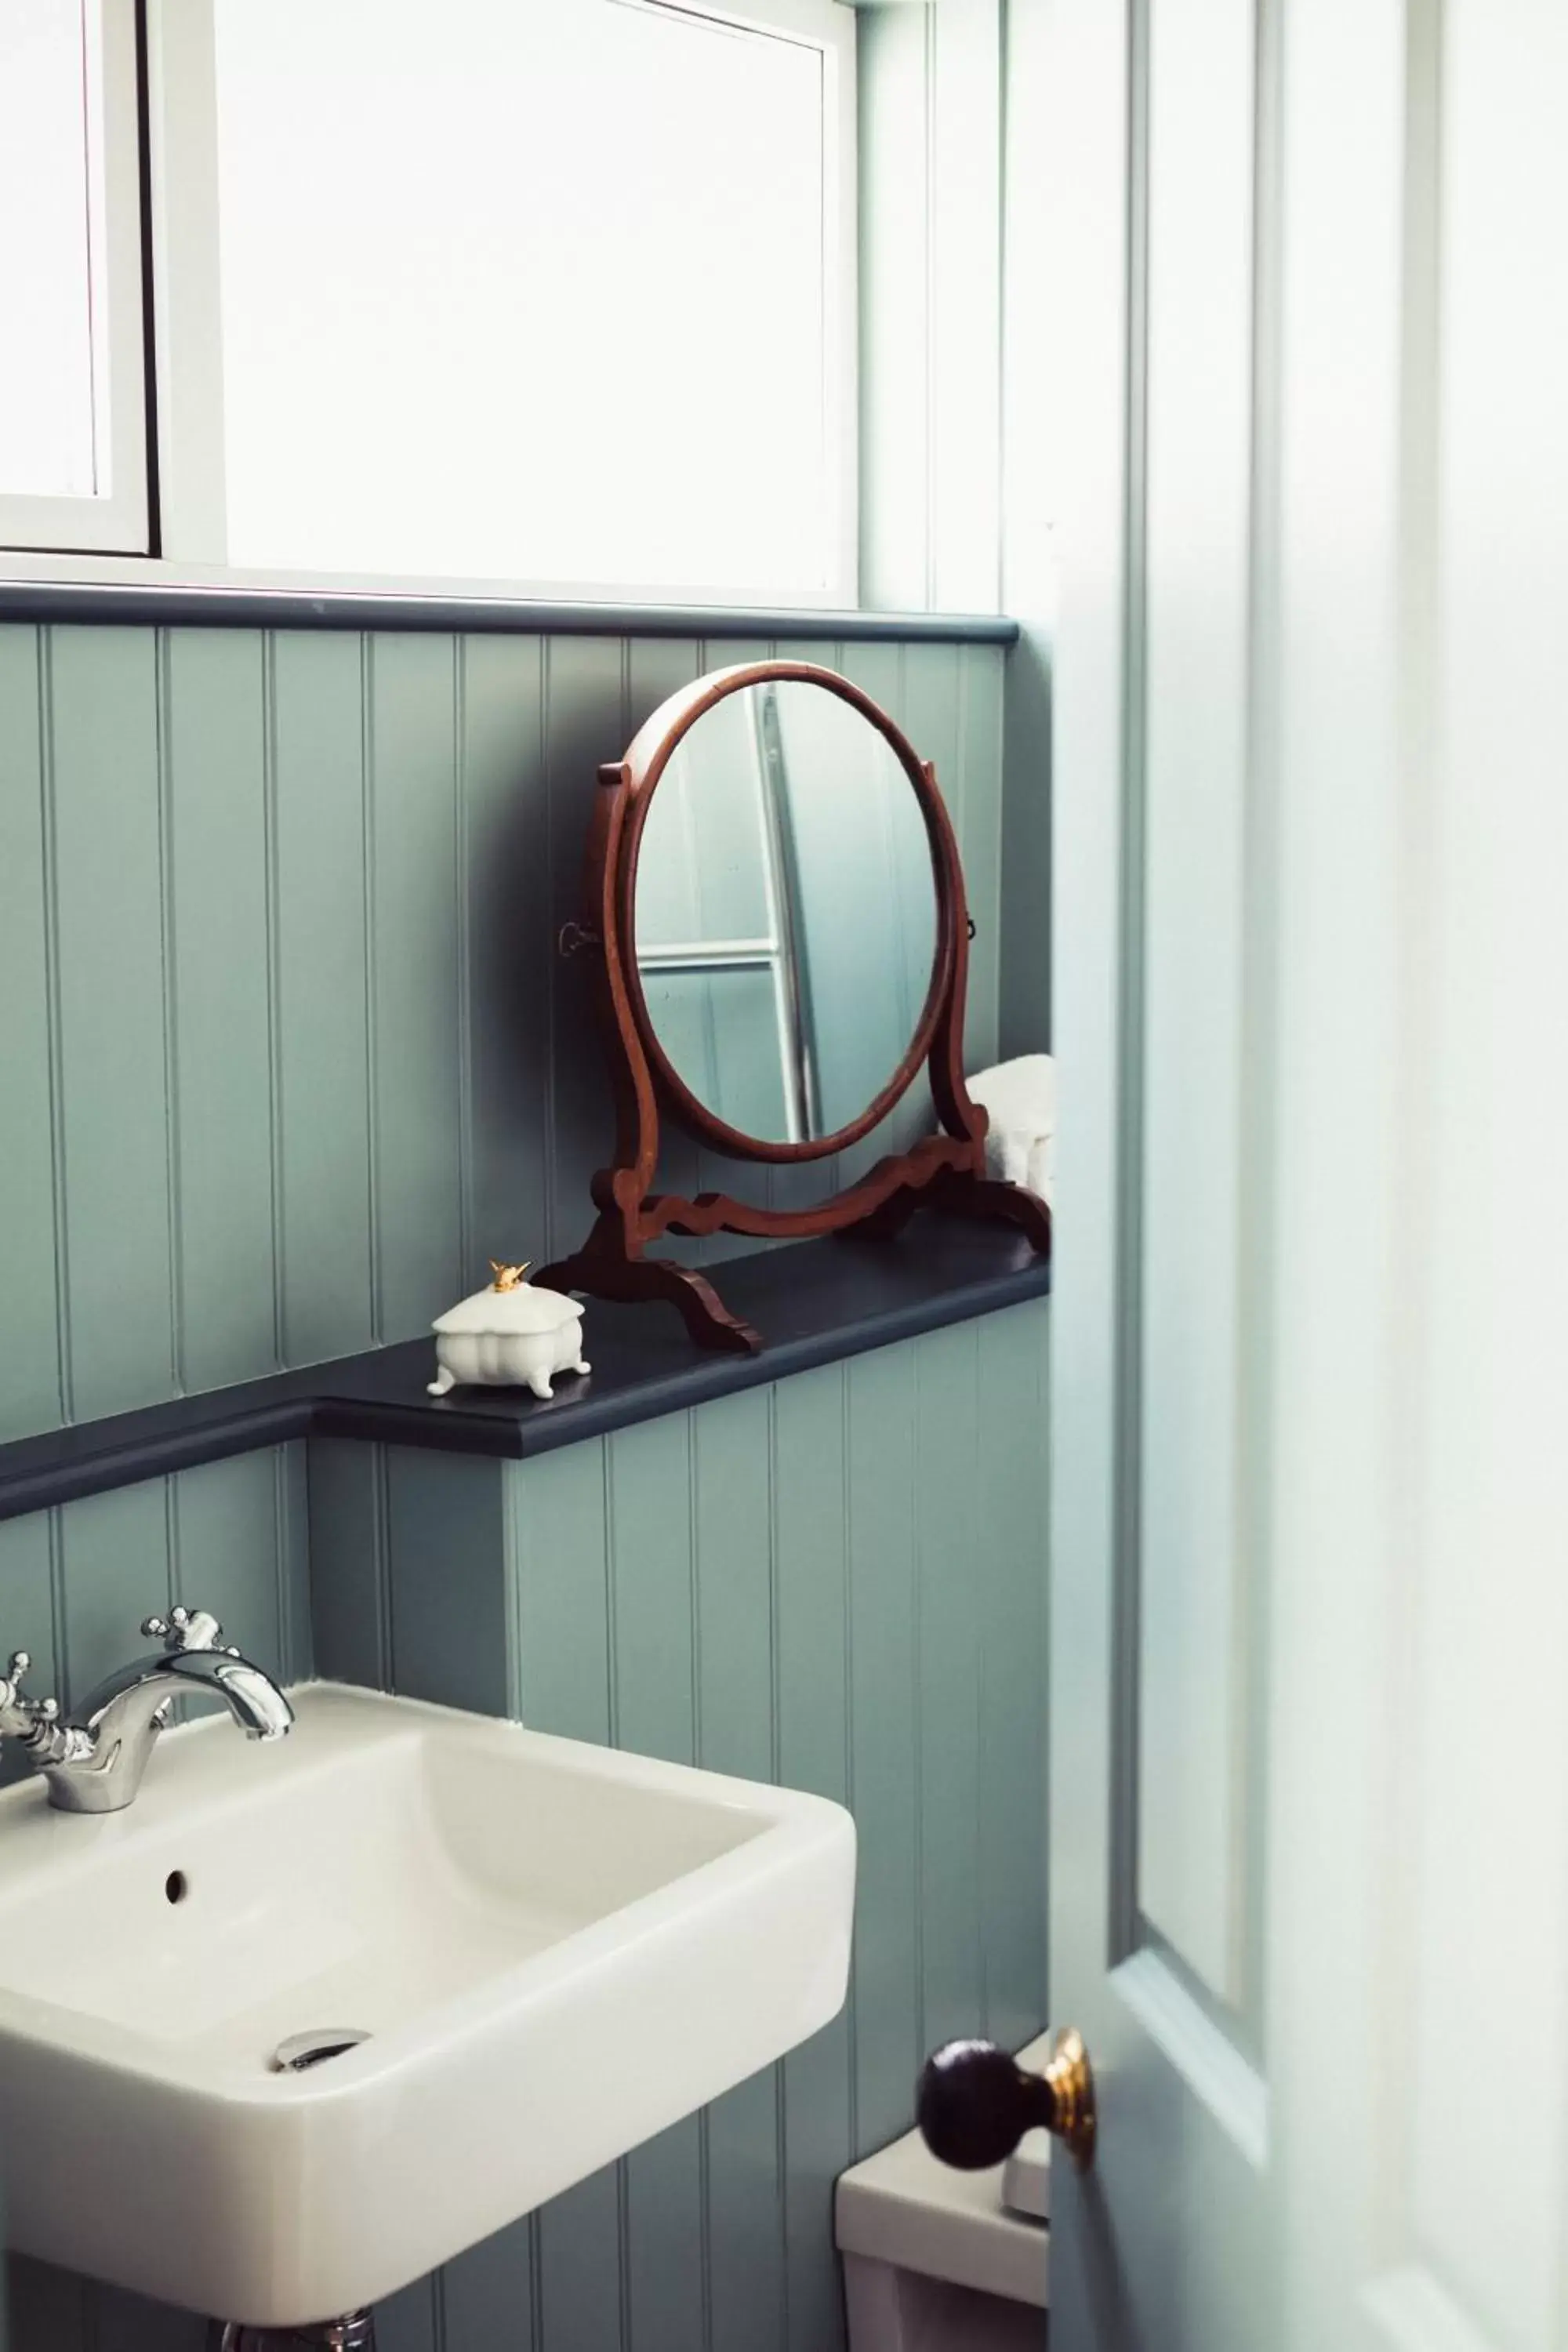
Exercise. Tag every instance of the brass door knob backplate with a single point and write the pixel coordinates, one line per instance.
(975, 2102)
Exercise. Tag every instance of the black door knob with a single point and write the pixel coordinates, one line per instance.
(975, 2102)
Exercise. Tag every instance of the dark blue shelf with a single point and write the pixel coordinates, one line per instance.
(814, 1303)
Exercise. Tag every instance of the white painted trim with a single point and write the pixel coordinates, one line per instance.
(182, 133)
(182, 130)
(841, 294)
(118, 520)
(828, 26)
(1206, 2058)
(931, 362)
(822, 23)
(704, 955)
(111, 569)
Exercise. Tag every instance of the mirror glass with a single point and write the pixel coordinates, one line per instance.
(786, 913)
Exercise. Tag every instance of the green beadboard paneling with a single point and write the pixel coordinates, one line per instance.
(658, 668)
(220, 1007)
(733, 1478)
(288, 1052)
(74, 1584)
(1011, 1600)
(950, 1546)
(747, 2164)
(488, 2293)
(509, 949)
(120, 1558)
(882, 671)
(654, 1691)
(413, 980)
(652, 1589)
(410, 2320)
(236, 1530)
(731, 1535)
(837, 1581)
(979, 752)
(581, 2279)
(123, 2322)
(408, 1586)
(351, 1590)
(930, 712)
(48, 2309)
(812, 1670)
(30, 1393)
(317, 724)
(446, 1592)
(588, 720)
(1024, 1021)
(290, 1045)
(560, 1556)
(107, 817)
(665, 2239)
(884, 1719)
(29, 1614)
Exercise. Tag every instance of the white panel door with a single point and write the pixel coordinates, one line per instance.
(1309, 1632)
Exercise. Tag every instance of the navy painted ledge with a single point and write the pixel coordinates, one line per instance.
(814, 1304)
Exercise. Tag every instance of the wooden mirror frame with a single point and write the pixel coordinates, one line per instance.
(945, 1171)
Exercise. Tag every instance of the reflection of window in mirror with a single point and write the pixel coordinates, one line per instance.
(858, 859)
(712, 930)
(785, 911)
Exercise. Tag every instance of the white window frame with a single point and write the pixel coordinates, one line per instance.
(183, 168)
(118, 519)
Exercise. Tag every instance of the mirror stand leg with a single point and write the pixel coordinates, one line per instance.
(888, 1219)
(989, 1197)
(635, 1279)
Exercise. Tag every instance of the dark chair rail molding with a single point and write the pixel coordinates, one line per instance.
(815, 1303)
(149, 604)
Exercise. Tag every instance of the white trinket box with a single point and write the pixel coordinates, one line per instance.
(509, 1336)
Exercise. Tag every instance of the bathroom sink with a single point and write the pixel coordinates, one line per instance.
(553, 1950)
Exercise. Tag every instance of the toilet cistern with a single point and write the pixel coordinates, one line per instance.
(93, 1758)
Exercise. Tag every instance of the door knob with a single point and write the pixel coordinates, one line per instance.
(975, 2102)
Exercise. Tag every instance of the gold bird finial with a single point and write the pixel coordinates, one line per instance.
(508, 1277)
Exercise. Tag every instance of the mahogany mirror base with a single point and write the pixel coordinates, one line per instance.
(944, 1171)
(602, 1268)
(612, 1265)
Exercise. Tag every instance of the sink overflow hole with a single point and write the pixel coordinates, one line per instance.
(303, 2050)
(174, 1888)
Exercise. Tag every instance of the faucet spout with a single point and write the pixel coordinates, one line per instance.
(93, 1760)
(140, 1694)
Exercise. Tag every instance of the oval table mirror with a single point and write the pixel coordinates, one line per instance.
(774, 901)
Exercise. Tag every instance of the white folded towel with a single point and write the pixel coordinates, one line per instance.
(1021, 1099)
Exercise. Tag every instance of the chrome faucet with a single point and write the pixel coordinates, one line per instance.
(93, 1758)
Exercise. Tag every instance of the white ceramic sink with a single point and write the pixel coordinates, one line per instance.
(555, 1949)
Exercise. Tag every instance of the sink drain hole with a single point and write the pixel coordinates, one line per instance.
(174, 1886)
(303, 2050)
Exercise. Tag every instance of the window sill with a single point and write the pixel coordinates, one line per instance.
(149, 604)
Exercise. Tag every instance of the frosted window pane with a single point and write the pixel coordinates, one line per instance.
(524, 289)
(47, 195)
